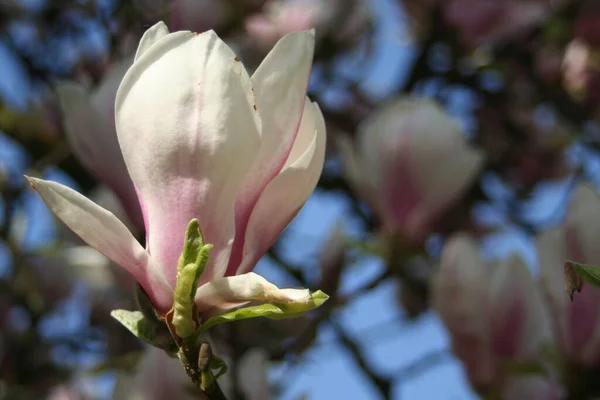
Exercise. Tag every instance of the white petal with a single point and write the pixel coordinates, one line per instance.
(93, 138)
(104, 232)
(234, 291)
(104, 96)
(189, 133)
(279, 84)
(151, 36)
(444, 163)
(284, 196)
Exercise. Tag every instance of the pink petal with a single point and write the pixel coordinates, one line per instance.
(284, 196)
(460, 292)
(103, 231)
(189, 133)
(280, 87)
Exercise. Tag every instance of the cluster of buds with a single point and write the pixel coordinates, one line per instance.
(502, 320)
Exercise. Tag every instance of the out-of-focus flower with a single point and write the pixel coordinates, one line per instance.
(157, 377)
(253, 369)
(577, 323)
(202, 139)
(493, 312)
(332, 259)
(531, 388)
(90, 127)
(192, 15)
(581, 71)
(64, 393)
(484, 21)
(480, 22)
(412, 163)
(548, 61)
(284, 16)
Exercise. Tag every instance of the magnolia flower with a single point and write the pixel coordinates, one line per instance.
(157, 377)
(531, 388)
(493, 312)
(581, 70)
(285, 16)
(253, 373)
(194, 15)
(89, 120)
(484, 21)
(577, 323)
(412, 162)
(202, 139)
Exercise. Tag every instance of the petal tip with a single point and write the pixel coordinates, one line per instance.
(33, 182)
(159, 26)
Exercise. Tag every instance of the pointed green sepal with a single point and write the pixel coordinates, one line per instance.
(146, 329)
(190, 268)
(271, 311)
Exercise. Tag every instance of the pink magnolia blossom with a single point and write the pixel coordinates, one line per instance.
(493, 312)
(411, 163)
(202, 139)
(577, 323)
(484, 21)
(89, 120)
(157, 377)
(193, 15)
(281, 17)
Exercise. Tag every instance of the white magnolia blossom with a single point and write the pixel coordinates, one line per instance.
(203, 139)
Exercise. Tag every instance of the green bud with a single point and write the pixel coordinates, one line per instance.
(192, 263)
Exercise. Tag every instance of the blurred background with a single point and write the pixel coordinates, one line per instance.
(462, 168)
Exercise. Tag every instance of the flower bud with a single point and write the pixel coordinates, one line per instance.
(493, 312)
(577, 323)
(157, 376)
(411, 163)
(344, 21)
